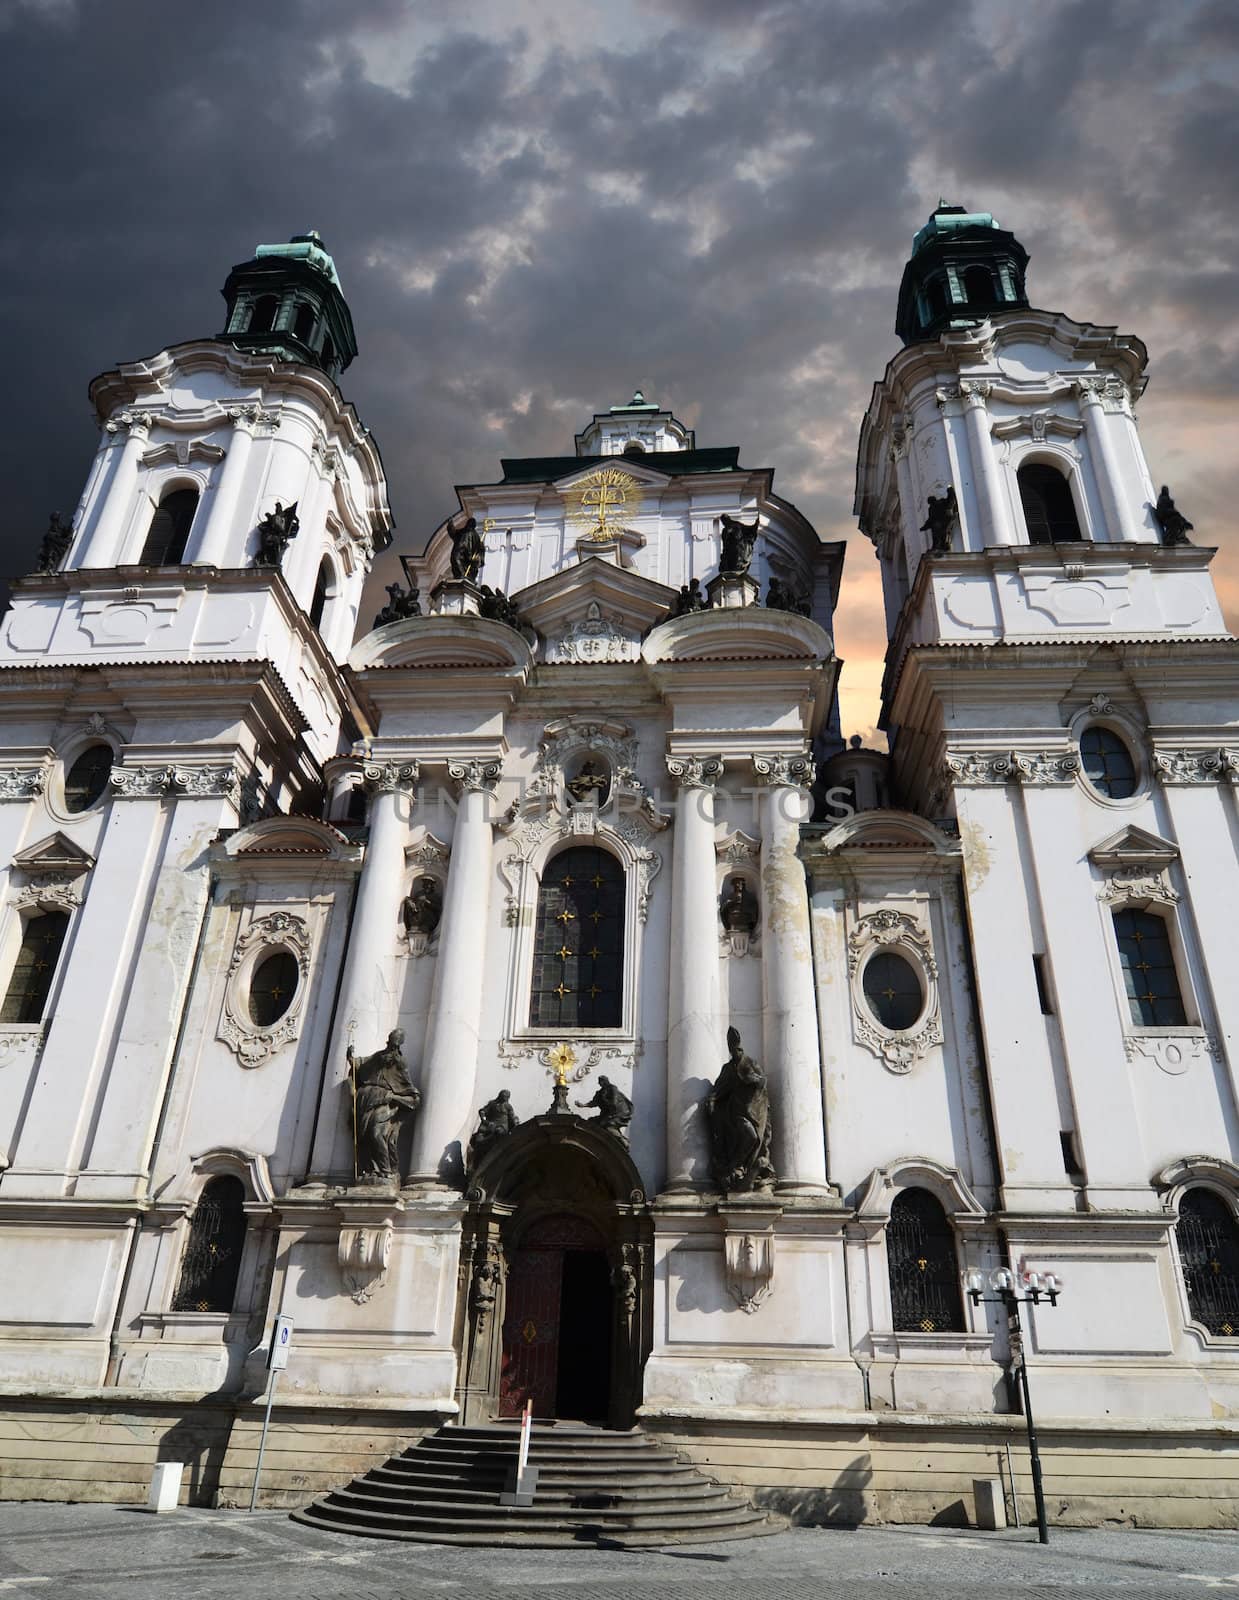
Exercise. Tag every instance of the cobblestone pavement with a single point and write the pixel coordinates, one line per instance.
(93, 1552)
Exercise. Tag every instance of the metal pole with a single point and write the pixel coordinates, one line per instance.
(262, 1443)
(1034, 1453)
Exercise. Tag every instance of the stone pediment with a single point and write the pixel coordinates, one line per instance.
(1132, 846)
(289, 836)
(57, 855)
(595, 611)
(634, 468)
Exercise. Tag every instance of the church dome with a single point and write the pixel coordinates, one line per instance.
(964, 269)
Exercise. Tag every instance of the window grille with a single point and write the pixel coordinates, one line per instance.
(578, 962)
(1049, 510)
(920, 1254)
(1209, 1254)
(212, 1257)
(1107, 763)
(35, 967)
(169, 530)
(88, 777)
(1149, 974)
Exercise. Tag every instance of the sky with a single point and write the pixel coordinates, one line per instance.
(537, 205)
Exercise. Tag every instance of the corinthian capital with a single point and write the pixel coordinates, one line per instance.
(786, 771)
(390, 777)
(474, 777)
(695, 772)
(975, 392)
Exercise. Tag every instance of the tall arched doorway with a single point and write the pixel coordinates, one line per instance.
(556, 1264)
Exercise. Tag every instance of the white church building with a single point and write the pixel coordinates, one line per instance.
(578, 805)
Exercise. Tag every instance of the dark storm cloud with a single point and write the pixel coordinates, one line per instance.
(713, 200)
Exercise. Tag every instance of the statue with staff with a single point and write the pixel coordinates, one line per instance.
(383, 1097)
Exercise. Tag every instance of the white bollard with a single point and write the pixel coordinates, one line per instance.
(991, 1508)
(165, 1492)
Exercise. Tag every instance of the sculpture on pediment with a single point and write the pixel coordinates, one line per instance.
(468, 549)
(55, 545)
(383, 1097)
(276, 532)
(590, 783)
(782, 597)
(401, 603)
(496, 1120)
(689, 599)
(739, 542)
(942, 516)
(738, 1109)
(498, 607)
(613, 1106)
(1174, 525)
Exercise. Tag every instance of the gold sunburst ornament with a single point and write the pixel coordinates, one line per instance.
(561, 1059)
(599, 503)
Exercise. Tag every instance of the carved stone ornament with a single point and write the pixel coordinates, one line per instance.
(1173, 1052)
(204, 782)
(597, 636)
(1033, 767)
(22, 783)
(784, 771)
(19, 1041)
(53, 892)
(484, 1287)
(1197, 766)
(390, 777)
(898, 1050)
(475, 777)
(748, 1268)
(695, 772)
(364, 1254)
(1126, 885)
(561, 1059)
(252, 1044)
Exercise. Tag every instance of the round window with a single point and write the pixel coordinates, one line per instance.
(893, 990)
(88, 777)
(1107, 762)
(272, 987)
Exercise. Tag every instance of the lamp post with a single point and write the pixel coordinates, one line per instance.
(1039, 1286)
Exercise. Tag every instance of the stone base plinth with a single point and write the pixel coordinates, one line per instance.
(729, 590)
(456, 597)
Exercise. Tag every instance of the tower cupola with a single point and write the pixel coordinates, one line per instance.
(963, 268)
(287, 302)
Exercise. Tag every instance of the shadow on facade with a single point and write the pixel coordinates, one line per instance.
(843, 1505)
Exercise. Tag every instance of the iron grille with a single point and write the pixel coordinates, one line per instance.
(578, 963)
(213, 1251)
(35, 967)
(1209, 1252)
(920, 1252)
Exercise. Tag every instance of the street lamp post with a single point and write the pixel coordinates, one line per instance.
(1039, 1287)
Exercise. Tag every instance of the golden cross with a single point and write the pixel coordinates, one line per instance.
(603, 497)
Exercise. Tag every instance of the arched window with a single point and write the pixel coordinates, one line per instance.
(169, 530)
(1107, 763)
(924, 1273)
(212, 1256)
(979, 286)
(578, 953)
(303, 327)
(322, 591)
(262, 318)
(1049, 510)
(87, 779)
(633, 448)
(1209, 1255)
(35, 967)
(1149, 974)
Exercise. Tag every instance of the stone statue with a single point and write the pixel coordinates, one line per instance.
(496, 1120)
(382, 1097)
(739, 539)
(689, 599)
(613, 1106)
(496, 605)
(738, 908)
(485, 1289)
(738, 1108)
(1174, 525)
(590, 780)
(422, 907)
(401, 603)
(276, 532)
(55, 545)
(941, 519)
(782, 597)
(624, 1282)
(468, 549)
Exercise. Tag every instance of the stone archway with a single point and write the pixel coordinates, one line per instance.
(555, 1298)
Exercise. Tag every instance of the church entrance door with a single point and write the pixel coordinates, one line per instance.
(558, 1323)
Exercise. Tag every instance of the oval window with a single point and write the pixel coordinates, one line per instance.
(893, 990)
(272, 987)
(1107, 762)
(88, 777)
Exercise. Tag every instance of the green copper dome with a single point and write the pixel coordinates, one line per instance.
(964, 269)
(286, 302)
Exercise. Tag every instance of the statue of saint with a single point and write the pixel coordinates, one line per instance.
(942, 516)
(689, 599)
(739, 540)
(422, 907)
(496, 605)
(1174, 525)
(276, 532)
(468, 549)
(590, 780)
(401, 603)
(738, 907)
(738, 1108)
(382, 1097)
(496, 1120)
(613, 1106)
(55, 545)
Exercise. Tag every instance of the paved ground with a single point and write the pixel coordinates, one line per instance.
(53, 1552)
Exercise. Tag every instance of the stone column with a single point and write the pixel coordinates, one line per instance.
(216, 547)
(791, 1055)
(101, 547)
(696, 1031)
(1105, 466)
(367, 1007)
(450, 1060)
(995, 524)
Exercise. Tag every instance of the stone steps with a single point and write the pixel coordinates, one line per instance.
(594, 1486)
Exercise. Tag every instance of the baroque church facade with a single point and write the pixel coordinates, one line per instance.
(534, 996)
